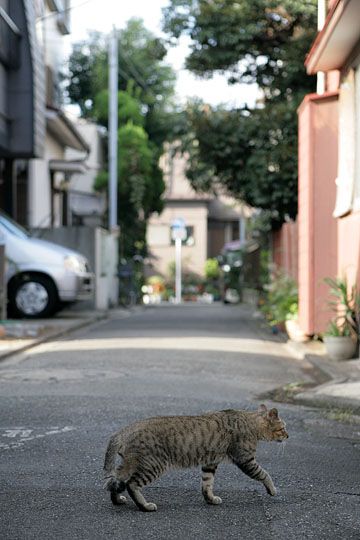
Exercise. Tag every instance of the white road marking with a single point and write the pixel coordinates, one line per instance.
(11, 433)
(22, 435)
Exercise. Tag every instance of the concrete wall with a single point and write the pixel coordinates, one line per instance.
(101, 249)
(318, 231)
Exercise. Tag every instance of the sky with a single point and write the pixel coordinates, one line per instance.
(103, 14)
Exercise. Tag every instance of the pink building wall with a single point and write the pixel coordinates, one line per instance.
(317, 229)
(349, 248)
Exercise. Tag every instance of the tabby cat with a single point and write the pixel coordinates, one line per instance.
(150, 447)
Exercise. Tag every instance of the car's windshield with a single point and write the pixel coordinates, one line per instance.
(10, 226)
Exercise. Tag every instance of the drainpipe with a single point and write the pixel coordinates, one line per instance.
(320, 83)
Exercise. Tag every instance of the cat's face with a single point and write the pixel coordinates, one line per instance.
(274, 428)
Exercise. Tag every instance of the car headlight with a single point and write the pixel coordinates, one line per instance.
(75, 264)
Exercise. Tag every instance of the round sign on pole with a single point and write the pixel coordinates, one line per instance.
(178, 229)
(178, 233)
(178, 223)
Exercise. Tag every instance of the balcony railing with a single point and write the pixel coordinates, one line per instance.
(10, 37)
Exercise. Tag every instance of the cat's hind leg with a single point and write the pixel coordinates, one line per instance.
(116, 484)
(143, 476)
(207, 484)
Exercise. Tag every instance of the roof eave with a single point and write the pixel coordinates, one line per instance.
(335, 42)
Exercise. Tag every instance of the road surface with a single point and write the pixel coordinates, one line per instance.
(60, 401)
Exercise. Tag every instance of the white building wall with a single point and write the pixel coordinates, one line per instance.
(54, 43)
(159, 238)
(94, 162)
(39, 202)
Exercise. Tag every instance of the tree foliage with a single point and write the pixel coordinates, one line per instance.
(253, 153)
(146, 86)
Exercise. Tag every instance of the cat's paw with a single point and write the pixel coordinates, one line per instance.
(118, 499)
(150, 507)
(271, 490)
(213, 500)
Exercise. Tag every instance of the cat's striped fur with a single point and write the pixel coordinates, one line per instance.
(151, 447)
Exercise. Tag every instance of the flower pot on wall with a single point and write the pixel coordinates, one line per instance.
(340, 347)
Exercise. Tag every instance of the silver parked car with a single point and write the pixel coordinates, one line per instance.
(41, 275)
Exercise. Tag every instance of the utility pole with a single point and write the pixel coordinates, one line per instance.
(113, 130)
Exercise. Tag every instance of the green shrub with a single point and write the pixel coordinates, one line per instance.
(211, 269)
(346, 305)
(281, 298)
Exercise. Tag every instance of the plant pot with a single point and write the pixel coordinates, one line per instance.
(294, 331)
(340, 347)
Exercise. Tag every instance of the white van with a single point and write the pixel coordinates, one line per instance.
(41, 275)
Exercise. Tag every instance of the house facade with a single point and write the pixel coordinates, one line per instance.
(22, 99)
(49, 177)
(210, 221)
(36, 135)
(327, 232)
(48, 161)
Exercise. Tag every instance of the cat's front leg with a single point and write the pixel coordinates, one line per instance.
(252, 469)
(207, 484)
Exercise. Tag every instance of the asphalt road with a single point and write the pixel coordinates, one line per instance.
(60, 402)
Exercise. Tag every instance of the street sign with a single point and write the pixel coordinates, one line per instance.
(178, 223)
(178, 233)
(178, 229)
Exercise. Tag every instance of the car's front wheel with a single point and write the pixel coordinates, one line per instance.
(32, 296)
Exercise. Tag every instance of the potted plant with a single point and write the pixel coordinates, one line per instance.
(292, 325)
(341, 337)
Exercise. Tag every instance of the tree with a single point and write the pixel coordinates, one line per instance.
(252, 153)
(145, 119)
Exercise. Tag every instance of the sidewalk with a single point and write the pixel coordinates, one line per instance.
(341, 379)
(336, 383)
(20, 335)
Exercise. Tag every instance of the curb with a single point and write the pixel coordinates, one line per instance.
(328, 402)
(329, 374)
(52, 335)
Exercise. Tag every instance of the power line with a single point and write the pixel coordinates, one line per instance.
(139, 79)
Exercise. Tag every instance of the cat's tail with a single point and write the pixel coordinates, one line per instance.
(111, 452)
(115, 481)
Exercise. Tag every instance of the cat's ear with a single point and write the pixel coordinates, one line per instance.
(273, 414)
(262, 409)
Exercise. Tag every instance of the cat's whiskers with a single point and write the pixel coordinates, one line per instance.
(281, 450)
